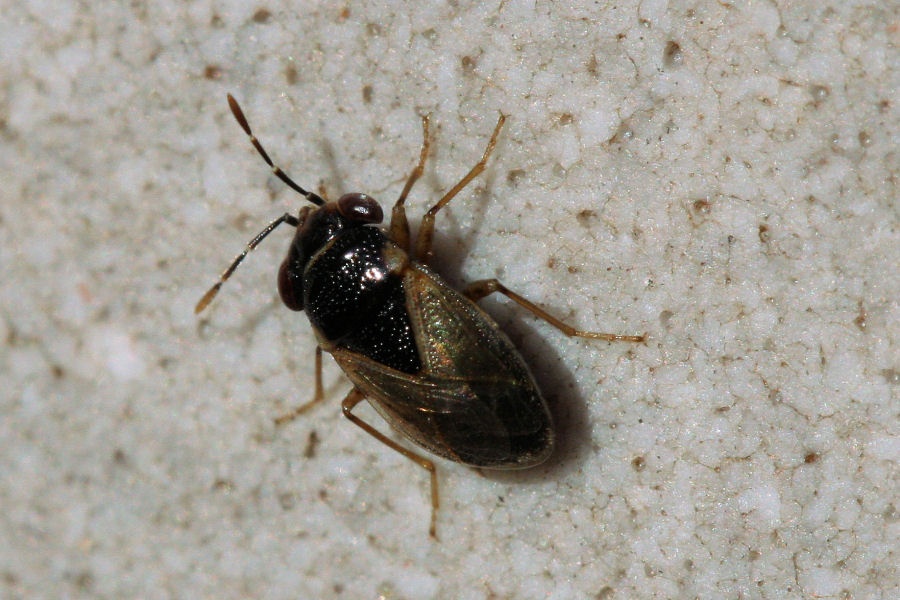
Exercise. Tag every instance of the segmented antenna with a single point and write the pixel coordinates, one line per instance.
(211, 293)
(285, 218)
(242, 121)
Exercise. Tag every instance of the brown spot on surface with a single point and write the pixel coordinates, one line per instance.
(665, 317)
(84, 580)
(584, 217)
(865, 140)
(223, 485)
(312, 442)
(593, 66)
(287, 500)
(819, 93)
(605, 593)
(892, 376)
(702, 206)
(861, 318)
(290, 74)
(672, 55)
(513, 176)
(262, 16)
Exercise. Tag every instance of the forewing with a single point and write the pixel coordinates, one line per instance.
(455, 337)
(448, 417)
(475, 400)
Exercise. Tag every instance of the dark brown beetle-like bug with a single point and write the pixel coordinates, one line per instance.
(433, 364)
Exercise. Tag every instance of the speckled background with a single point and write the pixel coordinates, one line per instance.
(720, 175)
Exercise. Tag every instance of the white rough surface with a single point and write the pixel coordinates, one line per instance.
(734, 195)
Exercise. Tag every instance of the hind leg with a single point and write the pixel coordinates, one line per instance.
(354, 398)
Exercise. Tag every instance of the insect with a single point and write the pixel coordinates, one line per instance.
(426, 357)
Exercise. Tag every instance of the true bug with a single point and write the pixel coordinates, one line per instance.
(433, 364)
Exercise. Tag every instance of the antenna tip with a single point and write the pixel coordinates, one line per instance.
(207, 298)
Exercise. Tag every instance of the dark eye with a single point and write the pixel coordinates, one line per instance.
(360, 208)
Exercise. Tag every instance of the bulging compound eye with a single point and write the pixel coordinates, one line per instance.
(360, 208)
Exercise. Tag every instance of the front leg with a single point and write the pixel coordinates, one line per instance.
(399, 229)
(318, 395)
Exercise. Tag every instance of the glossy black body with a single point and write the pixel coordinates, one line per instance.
(339, 268)
(426, 357)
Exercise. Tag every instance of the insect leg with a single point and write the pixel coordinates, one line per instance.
(211, 293)
(399, 231)
(426, 229)
(318, 395)
(354, 398)
(479, 289)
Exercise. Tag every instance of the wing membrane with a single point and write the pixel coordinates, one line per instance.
(474, 400)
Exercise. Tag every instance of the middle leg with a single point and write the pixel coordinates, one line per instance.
(479, 289)
(399, 229)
